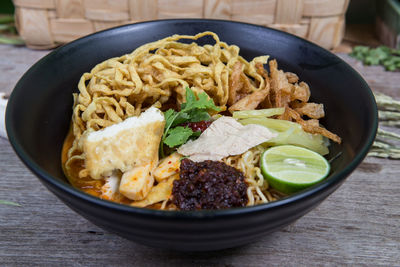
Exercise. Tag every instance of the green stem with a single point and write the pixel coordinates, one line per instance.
(393, 154)
(386, 102)
(165, 134)
(380, 145)
(11, 41)
(388, 134)
(6, 27)
(390, 123)
(389, 115)
(6, 19)
(10, 203)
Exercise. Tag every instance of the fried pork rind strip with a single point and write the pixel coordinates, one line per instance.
(281, 90)
(311, 110)
(312, 126)
(250, 101)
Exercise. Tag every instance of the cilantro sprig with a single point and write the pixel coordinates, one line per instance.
(193, 110)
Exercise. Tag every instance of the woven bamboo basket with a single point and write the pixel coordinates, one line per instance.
(47, 23)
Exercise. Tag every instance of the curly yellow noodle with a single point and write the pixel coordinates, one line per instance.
(248, 163)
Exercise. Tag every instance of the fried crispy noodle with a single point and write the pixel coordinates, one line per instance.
(155, 74)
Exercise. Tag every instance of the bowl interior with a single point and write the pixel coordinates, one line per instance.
(40, 107)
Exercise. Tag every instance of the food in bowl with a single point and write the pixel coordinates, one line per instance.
(182, 126)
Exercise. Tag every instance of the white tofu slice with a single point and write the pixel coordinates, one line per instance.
(133, 142)
(168, 166)
(137, 182)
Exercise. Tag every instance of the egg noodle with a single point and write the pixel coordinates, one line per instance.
(156, 74)
(258, 191)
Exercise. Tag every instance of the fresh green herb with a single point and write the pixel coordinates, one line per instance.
(10, 40)
(4, 202)
(382, 55)
(8, 32)
(193, 110)
(177, 136)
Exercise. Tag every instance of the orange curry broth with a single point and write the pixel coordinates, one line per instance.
(87, 184)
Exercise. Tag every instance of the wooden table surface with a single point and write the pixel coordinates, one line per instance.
(359, 224)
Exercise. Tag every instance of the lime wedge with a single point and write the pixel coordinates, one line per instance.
(289, 168)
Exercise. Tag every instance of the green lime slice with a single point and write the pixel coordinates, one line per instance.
(289, 168)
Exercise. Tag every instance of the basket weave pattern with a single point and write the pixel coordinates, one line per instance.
(48, 23)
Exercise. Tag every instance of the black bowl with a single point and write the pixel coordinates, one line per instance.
(40, 108)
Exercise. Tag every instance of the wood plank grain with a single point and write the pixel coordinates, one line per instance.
(15, 62)
(377, 78)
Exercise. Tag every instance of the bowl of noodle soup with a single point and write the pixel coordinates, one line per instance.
(107, 78)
